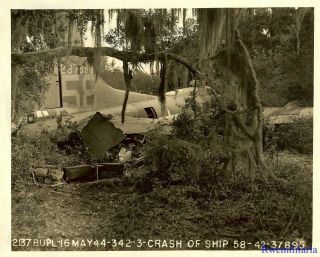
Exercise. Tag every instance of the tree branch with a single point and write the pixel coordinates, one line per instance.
(253, 82)
(126, 56)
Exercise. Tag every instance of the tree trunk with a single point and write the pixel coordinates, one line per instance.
(254, 111)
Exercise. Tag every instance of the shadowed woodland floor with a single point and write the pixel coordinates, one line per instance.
(76, 211)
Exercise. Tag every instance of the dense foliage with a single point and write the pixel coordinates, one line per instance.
(295, 137)
(285, 72)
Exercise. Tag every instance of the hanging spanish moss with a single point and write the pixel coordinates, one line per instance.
(97, 27)
(150, 39)
(71, 30)
(212, 22)
(163, 83)
(131, 19)
(97, 31)
(127, 78)
(217, 29)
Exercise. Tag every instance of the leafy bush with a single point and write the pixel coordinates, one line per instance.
(141, 178)
(28, 152)
(212, 169)
(174, 160)
(296, 136)
(196, 122)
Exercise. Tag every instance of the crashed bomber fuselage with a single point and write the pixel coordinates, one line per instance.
(83, 95)
(141, 116)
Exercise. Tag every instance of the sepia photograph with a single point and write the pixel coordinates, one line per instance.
(158, 129)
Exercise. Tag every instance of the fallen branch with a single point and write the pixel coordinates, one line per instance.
(292, 216)
(34, 178)
(107, 182)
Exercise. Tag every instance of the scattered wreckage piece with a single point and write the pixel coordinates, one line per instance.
(125, 155)
(93, 172)
(47, 171)
(84, 173)
(79, 173)
(37, 115)
(288, 114)
(110, 170)
(135, 138)
(99, 134)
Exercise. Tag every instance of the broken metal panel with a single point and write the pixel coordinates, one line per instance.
(91, 173)
(79, 173)
(306, 112)
(110, 170)
(135, 125)
(135, 138)
(100, 135)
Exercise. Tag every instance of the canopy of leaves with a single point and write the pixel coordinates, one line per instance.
(280, 41)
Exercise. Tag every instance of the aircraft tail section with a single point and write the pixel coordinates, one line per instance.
(74, 88)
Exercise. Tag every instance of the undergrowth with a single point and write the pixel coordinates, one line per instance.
(182, 191)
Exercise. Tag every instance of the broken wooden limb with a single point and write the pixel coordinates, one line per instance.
(59, 184)
(106, 182)
(291, 219)
(34, 178)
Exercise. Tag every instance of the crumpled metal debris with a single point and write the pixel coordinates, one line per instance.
(48, 171)
(99, 134)
(56, 174)
(125, 155)
(93, 172)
